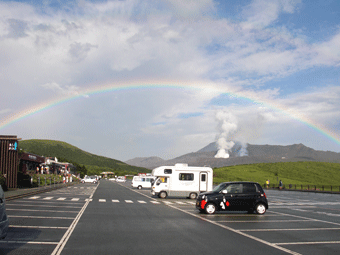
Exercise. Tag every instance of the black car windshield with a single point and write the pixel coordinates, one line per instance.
(219, 187)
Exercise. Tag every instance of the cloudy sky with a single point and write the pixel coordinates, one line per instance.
(139, 78)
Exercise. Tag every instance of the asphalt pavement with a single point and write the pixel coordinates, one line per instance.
(114, 218)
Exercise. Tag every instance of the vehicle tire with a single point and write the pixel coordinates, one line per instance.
(193, 195)
(210, 208)
(260, 208)
(139, 187)
(163, 194)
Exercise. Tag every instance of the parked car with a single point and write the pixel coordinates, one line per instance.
(233, 196)
(4, 223)
(142, 182)
(121, 179)
(90, 179)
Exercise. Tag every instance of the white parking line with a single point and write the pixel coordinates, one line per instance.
(42, 227)
(39, 217)
(257, 221)
(288, 229)
(300, 243)
(31, 210)
(29, 242)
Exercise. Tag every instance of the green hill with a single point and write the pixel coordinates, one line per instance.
(295, 173)
(94, 164)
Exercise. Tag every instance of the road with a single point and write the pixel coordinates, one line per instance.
(113, 218)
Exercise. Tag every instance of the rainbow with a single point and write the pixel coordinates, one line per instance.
(205, 87)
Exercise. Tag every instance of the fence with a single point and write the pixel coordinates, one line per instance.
(305, 187)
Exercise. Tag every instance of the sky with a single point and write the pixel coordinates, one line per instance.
(141, 78)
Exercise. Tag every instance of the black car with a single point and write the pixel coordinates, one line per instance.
(234, 196)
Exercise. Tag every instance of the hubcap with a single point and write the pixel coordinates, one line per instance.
(261, 209)
(210, 209)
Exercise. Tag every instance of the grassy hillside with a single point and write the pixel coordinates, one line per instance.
(94, 163)
(300, 173)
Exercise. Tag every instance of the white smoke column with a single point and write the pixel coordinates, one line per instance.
(227, 125)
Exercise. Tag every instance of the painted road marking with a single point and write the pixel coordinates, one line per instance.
(35, 197)
(128, 201)
(102, 200)
(115, 201)
(141, 202)
(48, 198)
(42, 227)
(75, 199)
(61, 198)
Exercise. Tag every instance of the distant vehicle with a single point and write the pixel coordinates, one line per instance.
(121, 179)
(89, 179)
(181, 180)
(4, 223)
(112, 179)
(234, 196)
(140, 182)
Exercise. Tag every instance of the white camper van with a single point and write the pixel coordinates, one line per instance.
(181, 180)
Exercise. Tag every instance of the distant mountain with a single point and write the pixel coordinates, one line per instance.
(58, 149)
(255, 154)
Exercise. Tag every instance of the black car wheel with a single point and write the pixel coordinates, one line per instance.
(210, 208)
(260, 208)
(139, 187)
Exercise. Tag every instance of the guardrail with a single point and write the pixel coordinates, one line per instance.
(305, 187)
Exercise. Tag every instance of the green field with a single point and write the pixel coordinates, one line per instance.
(295, 173)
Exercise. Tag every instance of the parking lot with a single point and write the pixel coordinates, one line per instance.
(296, 222)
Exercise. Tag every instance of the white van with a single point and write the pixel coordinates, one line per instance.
(140, 182)
(182, 180)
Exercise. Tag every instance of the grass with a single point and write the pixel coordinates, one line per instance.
(295, 173)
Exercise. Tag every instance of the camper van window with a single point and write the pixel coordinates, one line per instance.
(186, 177)
(162, 180)
(203, 177)
(167, 171)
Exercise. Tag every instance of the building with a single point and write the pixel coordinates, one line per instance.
(9, 159)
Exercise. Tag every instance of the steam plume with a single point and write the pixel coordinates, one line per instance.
(227, 125)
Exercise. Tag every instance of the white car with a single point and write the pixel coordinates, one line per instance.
(90, 179)
(121, 179)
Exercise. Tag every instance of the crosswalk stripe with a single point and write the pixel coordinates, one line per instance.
(35, 197)
(155, 202)
(115, 201)
(102, 200)
(48, 198)
(141, 202)
(61, 198)
(75, 199)
(129, 201)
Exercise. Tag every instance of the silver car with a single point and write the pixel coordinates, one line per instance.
(3, 216)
